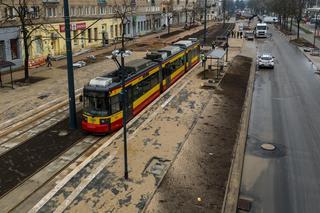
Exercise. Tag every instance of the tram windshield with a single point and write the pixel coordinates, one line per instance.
(96, 103)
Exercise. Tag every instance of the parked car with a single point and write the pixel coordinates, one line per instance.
(266, 61)
(79, 64)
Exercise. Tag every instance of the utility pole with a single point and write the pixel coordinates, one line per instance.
(205, 22)
(124, 111)
(72, 101)
(124, 101)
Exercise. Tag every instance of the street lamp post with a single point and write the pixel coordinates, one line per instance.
(72, 103)
(124, 112)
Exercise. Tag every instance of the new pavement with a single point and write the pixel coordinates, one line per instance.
(286, 113)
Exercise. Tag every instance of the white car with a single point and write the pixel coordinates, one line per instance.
(266, 61)
(79, 64)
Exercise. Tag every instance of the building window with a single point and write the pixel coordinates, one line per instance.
(73, 11)
(95, 31)
(111, 31)
(10, 12)
(128, 28)
(14, 48)
(89, 35)
(34, 11)
(93, 10)
(116, 30)
(51, 12)
(178, 1)
(87, 11)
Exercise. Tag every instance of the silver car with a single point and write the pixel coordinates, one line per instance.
(266, 61)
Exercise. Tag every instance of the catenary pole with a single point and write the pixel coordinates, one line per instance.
(72, 103)
(205, 22)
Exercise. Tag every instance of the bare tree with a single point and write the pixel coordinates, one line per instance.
(19, 13)
(123, 11)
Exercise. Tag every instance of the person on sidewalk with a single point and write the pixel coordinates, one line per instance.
(49, 61)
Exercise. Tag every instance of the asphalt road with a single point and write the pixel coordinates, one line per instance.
(285, 112)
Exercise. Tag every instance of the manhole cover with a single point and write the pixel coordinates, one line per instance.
(268, 146)
(63, 133)
(244, 204)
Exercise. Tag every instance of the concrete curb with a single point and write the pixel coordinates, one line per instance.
(235, 175)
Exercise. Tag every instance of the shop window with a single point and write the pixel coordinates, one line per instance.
(2, 51)
(128, 28)
(95, 34)
(14, 48)
(89, 35)
(38, 45)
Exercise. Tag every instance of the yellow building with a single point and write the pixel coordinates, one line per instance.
(85, 35)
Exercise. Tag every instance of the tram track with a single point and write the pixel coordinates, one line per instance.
(74, 161)
(23, 120)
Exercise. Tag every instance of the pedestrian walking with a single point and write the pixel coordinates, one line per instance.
(203, 59)
(213, 45)
(49, 61)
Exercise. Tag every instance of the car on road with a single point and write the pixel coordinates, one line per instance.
(266, 61)
(249, 35)
(79, 64)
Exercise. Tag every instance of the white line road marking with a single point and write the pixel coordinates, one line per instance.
(62, 182)
(84, 184)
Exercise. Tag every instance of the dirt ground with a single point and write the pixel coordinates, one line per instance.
(197, 179)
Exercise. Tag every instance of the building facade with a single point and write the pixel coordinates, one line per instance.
(93, 24)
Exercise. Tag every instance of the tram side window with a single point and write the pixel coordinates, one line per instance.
(115, 104)
(167, 70)
(145, 84)
(154, 80)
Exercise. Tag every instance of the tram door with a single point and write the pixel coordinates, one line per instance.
(130, 100)
(189, 59)
(167, 74)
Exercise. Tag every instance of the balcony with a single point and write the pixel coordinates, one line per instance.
(50, 1)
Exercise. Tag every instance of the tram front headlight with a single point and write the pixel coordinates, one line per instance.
(103, 121)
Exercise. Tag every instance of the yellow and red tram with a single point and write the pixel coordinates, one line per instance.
(146, 79)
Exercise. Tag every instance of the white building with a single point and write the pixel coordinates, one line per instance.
(10, 45)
